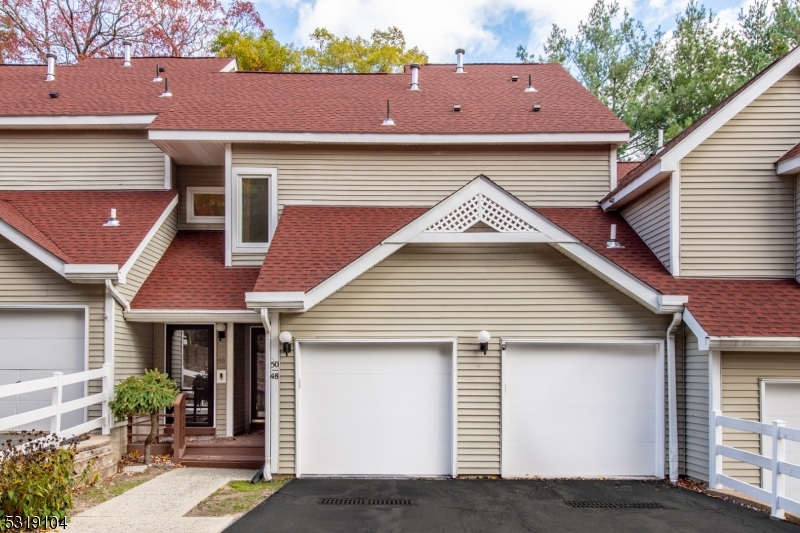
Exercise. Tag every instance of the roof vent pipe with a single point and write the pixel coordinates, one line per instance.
(166, 93)
(51, 66)
(159, 70)
(388, 120)
(126, 46)
(460, 61)
(612, 242)
(113, 221)
(660, 141)
(414, 77)
(530, 88)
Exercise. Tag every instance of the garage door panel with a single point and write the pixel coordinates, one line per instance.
(375, 409)
(44, 354)
(782, 402)
(579, 410)
(28, 324)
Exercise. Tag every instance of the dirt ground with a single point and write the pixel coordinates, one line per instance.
(237, 498)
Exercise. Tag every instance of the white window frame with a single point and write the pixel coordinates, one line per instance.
(237, 173)
(191, 218)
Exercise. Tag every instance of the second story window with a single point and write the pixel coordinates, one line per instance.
(205, 205)
(254, 199)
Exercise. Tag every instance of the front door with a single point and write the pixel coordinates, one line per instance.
(258, 373)
(190, 364)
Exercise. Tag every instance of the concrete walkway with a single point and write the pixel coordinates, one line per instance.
(159, 504)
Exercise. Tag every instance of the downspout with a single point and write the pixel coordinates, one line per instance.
(126, 306)
(672, 397)
(267, 394)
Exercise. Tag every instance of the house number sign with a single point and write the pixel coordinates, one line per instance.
(274, 367)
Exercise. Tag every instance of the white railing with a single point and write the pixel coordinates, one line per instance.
(776, 495)
(57, 406)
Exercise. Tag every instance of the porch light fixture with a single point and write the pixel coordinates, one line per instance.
(286, 340)
(483, 338)
(221, 327)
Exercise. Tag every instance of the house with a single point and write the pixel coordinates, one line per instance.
(404, 274)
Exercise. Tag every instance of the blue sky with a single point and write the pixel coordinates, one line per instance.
(489, 30)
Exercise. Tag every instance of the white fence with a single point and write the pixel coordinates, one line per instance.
(777, 464)
(57, 406)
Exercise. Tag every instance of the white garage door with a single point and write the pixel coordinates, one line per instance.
(34, 343)
(781, 401)
(375, 409)
(579, 410)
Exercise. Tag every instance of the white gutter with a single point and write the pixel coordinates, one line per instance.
(91, 273)
(267, 394)
(126, 306)
(672, 398)
(746, 344)
(387, 138)
(191, 316)
(77, 121)
(789, 166)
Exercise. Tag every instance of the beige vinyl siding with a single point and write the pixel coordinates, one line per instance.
(26, 281)
(456, 291)
(151, 255)
(403, 176)
(797, 227)
(133, 346)
(737, 215)
(741, 372)
(196, 176)
(247, 260)
(649, 216)
(695, 443)
(221, 393)
(159, 348)
(80, 160)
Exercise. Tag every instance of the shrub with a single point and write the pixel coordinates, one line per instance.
(37, 479)
(144, 395)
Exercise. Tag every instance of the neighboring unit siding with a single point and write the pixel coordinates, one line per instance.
(737, 215)
(133, 346)
(695, 443)
(649, 216)
(151, 255)
(192, 176)
(456, 291)
(797, 227)
(80, 160)
(741, 372)
(26, 281)
(401, 176)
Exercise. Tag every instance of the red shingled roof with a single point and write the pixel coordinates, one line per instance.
(103, 86)
(624, 168)
(313, 243)
(794, 152)
(191, 275)
(356, 103)
(69, 224)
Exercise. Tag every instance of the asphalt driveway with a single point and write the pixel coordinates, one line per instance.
(498, 506)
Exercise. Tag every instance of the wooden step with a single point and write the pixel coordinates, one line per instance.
(223, 461)
(209, 449)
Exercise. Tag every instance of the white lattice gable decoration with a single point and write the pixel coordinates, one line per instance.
(480, 208)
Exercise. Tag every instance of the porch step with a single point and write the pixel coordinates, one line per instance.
(224, 449)
(224, 461)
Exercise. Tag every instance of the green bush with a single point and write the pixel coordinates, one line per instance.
(37, 479)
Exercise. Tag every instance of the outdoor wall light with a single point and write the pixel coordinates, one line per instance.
(483, 338)
(221, 327)
(286, 339)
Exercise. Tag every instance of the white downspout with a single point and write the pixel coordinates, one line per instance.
(126, 306)
(672, 397)
(267, 394)
(108, 334)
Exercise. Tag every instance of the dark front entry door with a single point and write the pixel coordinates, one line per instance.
(258, 357)
(190, 364)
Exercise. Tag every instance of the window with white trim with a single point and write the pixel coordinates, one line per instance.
(205, 205)
(255, 208)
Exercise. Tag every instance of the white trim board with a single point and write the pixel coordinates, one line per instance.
(191, 316)
(389, 138)
(415, 231)
(123, 272)
(659, 345)
(25, 243)
(789, 166)
(421, 340)
(77, 121)
(669, 161)
(191, 218)
(235, 219)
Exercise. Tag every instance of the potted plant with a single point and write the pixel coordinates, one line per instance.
(142, 396)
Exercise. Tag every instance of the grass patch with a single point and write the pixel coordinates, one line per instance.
(238, 497)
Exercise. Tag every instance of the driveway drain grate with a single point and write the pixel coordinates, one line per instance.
(614, 505)
(363, 501)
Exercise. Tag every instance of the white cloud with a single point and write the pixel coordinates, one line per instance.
(440, 26)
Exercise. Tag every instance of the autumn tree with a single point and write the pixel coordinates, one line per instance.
(257, 52)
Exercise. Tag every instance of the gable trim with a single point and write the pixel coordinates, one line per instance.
(123, 272)
(27, 245)
(670, 159)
